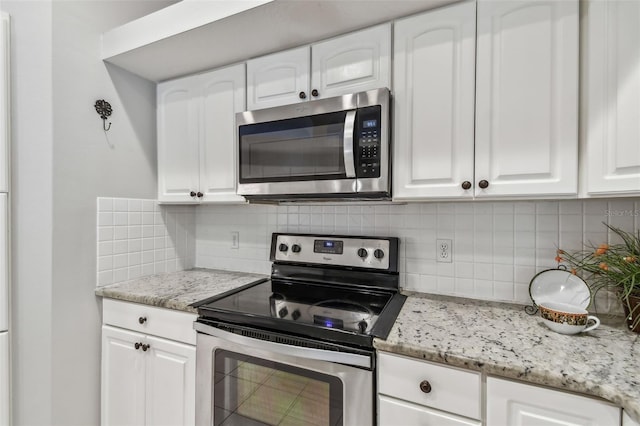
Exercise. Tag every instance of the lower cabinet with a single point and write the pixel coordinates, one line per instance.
(414, 392)
(399, 412)
(628, 421)
(146, 379)
(519, 404)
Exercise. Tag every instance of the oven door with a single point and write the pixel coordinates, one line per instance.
(246, 381)
(298, 149)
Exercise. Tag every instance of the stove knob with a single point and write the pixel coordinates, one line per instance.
(378, 254)
(283, 248)
(296, 248)
(362, 326)
(363, 252)
(295, 314)
(283, 312)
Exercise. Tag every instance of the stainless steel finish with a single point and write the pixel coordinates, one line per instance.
(349, 256)
(347, 142)
(341, 186)
(321, 106)
(357, 382)
(345, 189)
(383, 183)
(288, 350)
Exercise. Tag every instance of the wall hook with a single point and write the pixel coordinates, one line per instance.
(103, 108)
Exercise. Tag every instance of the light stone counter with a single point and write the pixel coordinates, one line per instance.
(502, 340)
(177, 290)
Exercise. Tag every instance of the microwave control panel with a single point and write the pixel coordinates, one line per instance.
(368, 145)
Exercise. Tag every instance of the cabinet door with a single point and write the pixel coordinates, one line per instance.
(628, 421)
(222, 95)
(517, 404)
(278, 79)
(178, 150)
(434, 80)
(4, 379)
(612, 98)
(123, 375)
(170, 383)
(352, 63)
(527, 98)
(395, 412)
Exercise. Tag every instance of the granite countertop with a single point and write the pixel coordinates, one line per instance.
(177, 290)
(502, 340)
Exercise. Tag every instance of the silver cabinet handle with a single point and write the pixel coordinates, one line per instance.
(349, 164)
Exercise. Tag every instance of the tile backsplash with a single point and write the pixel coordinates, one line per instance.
(139, 237)
(497, 246)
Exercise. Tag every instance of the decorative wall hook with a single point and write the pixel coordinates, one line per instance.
(103, 108)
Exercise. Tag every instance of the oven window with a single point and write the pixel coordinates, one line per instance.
(297, 149)
(251, 391)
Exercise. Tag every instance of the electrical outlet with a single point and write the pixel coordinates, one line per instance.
(235, 239)
(444, 250)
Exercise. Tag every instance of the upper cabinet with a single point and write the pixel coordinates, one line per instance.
(352, 63)
(197, 137)
(434, 82)
(527, 98)
(611, 98)
(524, 141)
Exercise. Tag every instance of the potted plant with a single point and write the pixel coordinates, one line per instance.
(615, 267)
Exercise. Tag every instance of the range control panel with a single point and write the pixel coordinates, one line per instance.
(359, 252)
(368, 145)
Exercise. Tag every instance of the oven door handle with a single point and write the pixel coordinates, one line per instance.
(288, 350)
(349, 163)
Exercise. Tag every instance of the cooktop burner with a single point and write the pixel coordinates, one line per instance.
(312, 293)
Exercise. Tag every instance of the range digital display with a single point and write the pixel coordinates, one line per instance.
(328, 246)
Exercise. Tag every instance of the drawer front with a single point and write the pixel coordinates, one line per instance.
(167, 323)
(453, 390)
(394, 412)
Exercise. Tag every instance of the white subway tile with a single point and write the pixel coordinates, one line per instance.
(483, 289)
(105, 233)
(134, 232)
(120, 232)
(105, 219)
(120, 261)
(120, 275)
(120, 246)
(105, 263)
(134, 260)
(148, 206)
(135, 206)
(105, 278)
(105, 204)
(105, 248)
(121, 205)
(120, 218)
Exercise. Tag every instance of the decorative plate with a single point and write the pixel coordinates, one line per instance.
(559, 285)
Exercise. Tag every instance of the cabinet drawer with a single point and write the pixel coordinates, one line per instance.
(394, 412)
(167, 323)
(453, 390)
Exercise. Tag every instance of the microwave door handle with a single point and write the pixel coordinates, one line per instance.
(349, 163)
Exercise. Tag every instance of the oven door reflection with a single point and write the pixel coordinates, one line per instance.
(254, 391)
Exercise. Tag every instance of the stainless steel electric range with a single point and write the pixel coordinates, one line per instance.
(298, 348)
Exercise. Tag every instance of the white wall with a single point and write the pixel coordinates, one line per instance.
(497, 246)
(62, 160)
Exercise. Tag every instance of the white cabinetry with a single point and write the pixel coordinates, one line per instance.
(413, 392)
(612, 97)
(525, 98)
(197, 138)
(351, 63)
(628, 421)
(147, 379)
(518, 404)
(434, 83)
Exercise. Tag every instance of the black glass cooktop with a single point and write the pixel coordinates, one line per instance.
(328, 312)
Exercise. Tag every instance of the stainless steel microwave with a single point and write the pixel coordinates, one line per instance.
(334, 148)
